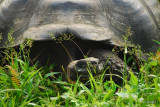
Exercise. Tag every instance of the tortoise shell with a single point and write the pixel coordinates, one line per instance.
(94, 20)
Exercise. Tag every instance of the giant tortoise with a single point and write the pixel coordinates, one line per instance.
(97, 27)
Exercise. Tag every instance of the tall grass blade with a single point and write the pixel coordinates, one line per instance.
(92, 79)
(50, 74)
(109, 94)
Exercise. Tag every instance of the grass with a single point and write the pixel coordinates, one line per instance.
(23, 84)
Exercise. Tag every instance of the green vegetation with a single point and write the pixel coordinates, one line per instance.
(24, 84)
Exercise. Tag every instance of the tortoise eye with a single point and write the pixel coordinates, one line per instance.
(81, 64)
(93, 63)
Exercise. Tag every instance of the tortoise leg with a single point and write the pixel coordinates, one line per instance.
(113, 65)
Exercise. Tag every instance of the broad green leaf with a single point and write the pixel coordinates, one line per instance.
(133, 78)
(153, 63)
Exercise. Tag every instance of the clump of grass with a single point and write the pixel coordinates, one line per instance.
(24, 84)
(21, 82)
